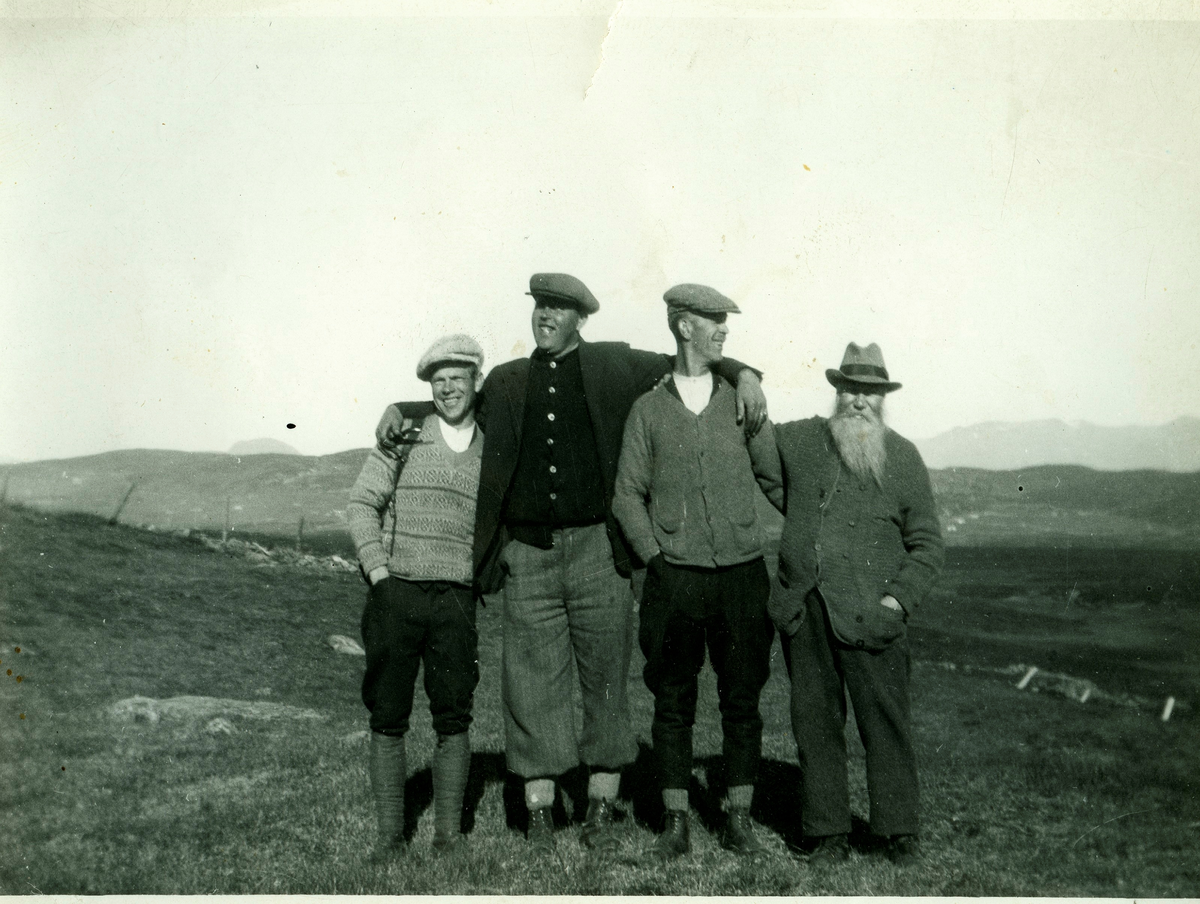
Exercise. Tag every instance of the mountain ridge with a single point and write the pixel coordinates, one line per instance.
(1008, 445)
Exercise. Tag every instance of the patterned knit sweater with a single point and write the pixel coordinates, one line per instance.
(427, 535)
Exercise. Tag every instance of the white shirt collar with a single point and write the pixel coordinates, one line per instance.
(694, 391)
(457, 438)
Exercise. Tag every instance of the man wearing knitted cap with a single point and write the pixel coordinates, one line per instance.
(545, 532)
(412, 517)
(686, 498)
(860, 549)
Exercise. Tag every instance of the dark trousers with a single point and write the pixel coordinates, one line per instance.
(407, 623)
(683, 611)
(822, 671)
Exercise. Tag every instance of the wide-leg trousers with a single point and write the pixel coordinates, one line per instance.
(562, 606)
(822, 671)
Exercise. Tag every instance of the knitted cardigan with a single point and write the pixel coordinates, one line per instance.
(854, 540)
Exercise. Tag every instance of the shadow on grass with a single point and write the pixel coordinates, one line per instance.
(776, 801)
(490, 768)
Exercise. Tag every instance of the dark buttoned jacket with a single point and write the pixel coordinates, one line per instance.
(614, 375)
(853, 539)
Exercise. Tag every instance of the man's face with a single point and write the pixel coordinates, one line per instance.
(860, 400)
(454, 388)
(707, 335)
(556, 326)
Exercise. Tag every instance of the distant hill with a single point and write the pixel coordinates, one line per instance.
(264, 446)
(1069, 504)
(265, 492)
(1050, 504)
(1003, 446)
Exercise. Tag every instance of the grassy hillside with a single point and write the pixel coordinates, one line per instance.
(266, 493)
(1096, 508)
(270, 493)
(1024, 794)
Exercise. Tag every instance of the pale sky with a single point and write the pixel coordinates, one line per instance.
(217, 224)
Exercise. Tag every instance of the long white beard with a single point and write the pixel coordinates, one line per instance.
(860, 443)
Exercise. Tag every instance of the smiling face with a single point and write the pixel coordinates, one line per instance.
(454, 389)
(705, 335)
(556, 326)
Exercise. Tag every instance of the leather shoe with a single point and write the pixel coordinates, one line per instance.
(674, 841)
(540, 831)
(598, 826)
(903, 850)
(830, 849)
(739, 834)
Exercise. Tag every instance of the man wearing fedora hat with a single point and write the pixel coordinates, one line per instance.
(860, 549)
(544, 531)
(411, 518)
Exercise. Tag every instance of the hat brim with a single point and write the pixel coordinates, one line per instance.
(839, 379)
(427, 370)
(675, 307)
(568, 300)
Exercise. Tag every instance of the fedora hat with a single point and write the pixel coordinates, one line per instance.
(863, 366)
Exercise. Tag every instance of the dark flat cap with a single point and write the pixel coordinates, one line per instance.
(701, 299)
(563, 289)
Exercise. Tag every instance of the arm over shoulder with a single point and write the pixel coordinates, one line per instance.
(764, 459)
(645, 368)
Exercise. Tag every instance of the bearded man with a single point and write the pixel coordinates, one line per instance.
(860, 549)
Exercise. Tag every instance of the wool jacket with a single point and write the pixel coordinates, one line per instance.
(614, 375)
(426, 534)
(686, 483)
(852, 539)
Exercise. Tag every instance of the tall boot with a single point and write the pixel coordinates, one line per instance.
(451, 764)
(389, 770)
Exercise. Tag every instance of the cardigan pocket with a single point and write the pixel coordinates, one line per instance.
(744, 533)
(668, 515)
(884, 626)
(669, 519)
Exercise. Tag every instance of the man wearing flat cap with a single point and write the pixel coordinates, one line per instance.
(860, 549)
(412, 516)
(544, 531)
(686, 497)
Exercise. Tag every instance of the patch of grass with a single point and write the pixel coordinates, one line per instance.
(1022, 794)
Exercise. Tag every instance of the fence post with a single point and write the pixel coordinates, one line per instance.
(121, 507)
(225, 529)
